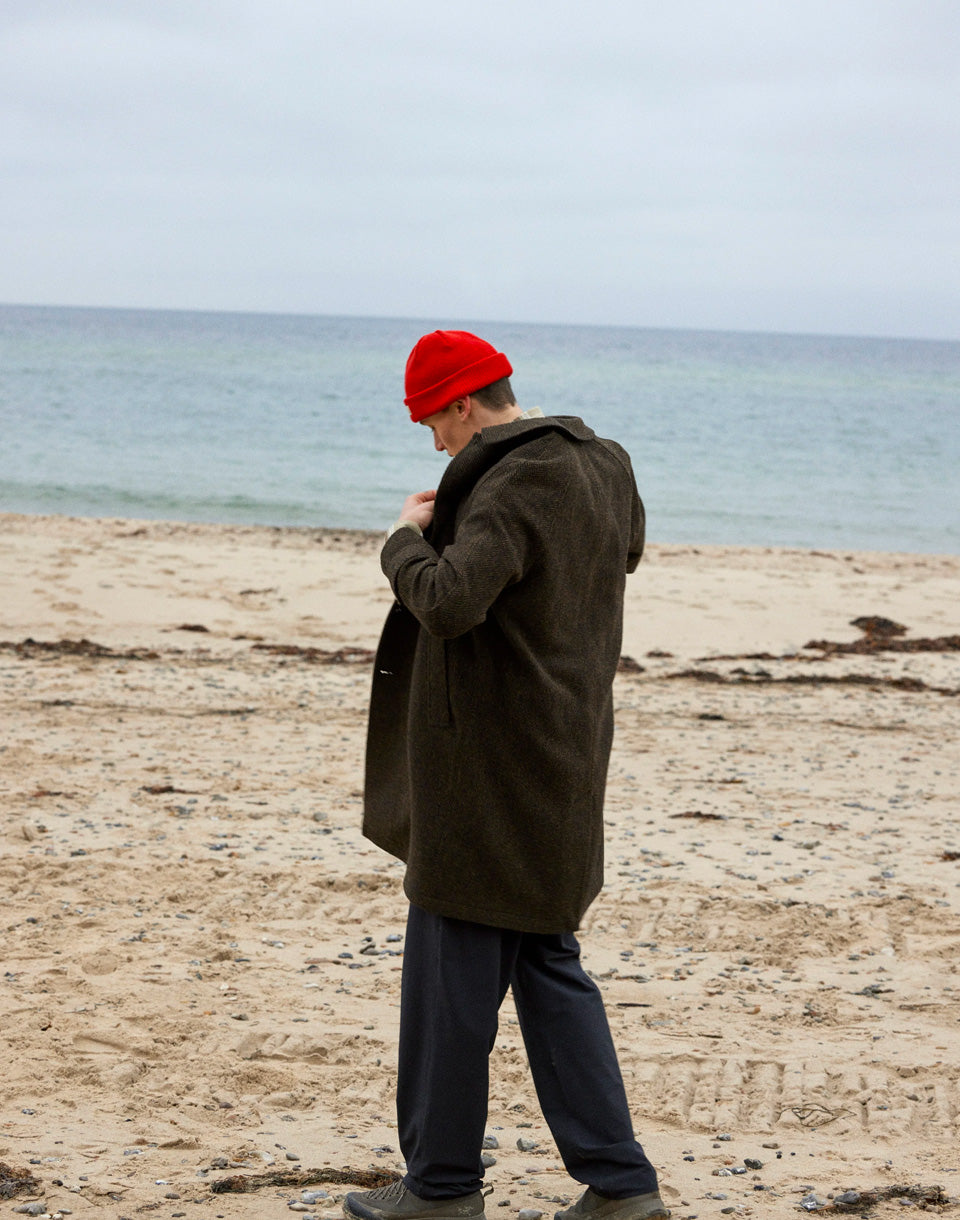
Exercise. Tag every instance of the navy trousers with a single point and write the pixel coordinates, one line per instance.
(455, 975)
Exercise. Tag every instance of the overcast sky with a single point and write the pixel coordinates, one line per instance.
(785, 165)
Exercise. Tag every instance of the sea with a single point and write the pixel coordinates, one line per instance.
(811, 441)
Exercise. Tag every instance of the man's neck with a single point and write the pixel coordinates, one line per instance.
(490, 419)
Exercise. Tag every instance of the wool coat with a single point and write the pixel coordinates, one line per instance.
(491, 714)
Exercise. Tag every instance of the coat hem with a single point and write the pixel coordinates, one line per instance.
(514, 921)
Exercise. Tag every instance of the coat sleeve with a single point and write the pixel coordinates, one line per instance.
(451, 593)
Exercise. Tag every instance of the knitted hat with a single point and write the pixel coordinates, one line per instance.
(447, 364)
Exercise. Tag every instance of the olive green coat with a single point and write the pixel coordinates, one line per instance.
(491, 712)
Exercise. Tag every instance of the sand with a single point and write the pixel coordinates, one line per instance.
(202, 955)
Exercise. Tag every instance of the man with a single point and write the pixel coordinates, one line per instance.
(490, 729)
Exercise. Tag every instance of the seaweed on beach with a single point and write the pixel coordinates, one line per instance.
(322, 656)
(868, 644)
(13, 1181)
(857, 1200)
(369, 1179)
(879, 634)
(740, 677)
(31, 648)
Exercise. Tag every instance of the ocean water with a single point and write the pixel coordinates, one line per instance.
(759, 439)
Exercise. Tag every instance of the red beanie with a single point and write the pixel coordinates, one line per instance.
(447, 364)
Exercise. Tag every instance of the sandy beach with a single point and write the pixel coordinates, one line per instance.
(202, 955)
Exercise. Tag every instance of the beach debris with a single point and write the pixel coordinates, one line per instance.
(529, 1213)
(856, 1200)
(740, 677)
(877, 625)
(369, 1179)
(873, 989)
(886, 643)
(75, 648)
(627, 665)
(879, 635)
(700, 815)
(14, 1181)
(526, 1145)
(321, 656)
(190, 627)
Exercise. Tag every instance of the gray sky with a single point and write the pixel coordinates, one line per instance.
(787, 165)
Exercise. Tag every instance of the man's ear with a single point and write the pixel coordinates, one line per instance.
(464, 406)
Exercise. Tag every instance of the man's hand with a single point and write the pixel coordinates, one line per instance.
(418, 508)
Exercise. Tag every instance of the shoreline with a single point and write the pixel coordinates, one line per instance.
(202, 968)
(18, 520)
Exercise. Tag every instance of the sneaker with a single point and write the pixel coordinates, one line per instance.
(396, 1202)
(591, 1206)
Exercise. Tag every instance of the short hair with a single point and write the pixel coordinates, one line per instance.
(496, 396)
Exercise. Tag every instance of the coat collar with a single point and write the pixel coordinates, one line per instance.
(482, 452)
(490, 444)
(500, 434)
